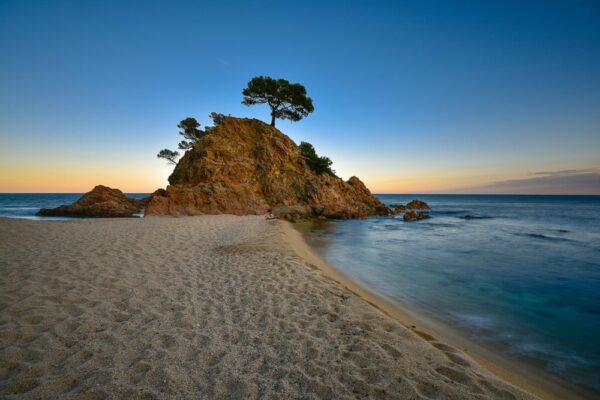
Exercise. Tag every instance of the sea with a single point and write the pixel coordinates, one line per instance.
(518, 273)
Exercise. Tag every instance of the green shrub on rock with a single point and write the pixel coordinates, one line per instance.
(318, 164)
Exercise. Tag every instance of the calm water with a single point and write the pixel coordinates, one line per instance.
(524, 275)
(25, 205)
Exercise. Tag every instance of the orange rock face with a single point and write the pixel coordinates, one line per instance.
(245, 166)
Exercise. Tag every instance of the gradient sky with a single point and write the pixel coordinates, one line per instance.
(412, 97)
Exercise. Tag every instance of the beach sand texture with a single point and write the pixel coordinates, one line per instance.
(202, 307)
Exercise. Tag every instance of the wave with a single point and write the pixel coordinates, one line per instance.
(447, 212)
(580, 368)
(471, 216)
(556, 360)
(441, 224)
(543, 237)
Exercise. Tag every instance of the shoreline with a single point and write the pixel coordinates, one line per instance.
(520, 375)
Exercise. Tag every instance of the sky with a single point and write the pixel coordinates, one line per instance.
(411, 96)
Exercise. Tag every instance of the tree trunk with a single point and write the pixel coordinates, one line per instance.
(273, 120)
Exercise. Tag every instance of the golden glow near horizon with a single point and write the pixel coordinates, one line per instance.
(80, 179)
(148, 174)
(139, 171)
(67, 178)
(146, 178)
(424, 182)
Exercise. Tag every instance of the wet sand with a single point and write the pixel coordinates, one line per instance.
(205, 307)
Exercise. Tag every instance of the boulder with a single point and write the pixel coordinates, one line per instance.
(398, 208)
(292, 213)
(244, 166)
(415, 216)
(102, 202)
(412, 205)
(417, 205)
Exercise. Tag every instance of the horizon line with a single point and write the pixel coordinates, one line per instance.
(386, 193)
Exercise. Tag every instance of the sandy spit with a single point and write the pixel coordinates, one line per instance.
(203, 307)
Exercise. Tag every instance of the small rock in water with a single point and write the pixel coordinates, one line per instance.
(417, 205)
(415, 216)
(412, 205)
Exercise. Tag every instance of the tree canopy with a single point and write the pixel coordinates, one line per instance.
(169, 155)
(190, 130)
(318, 164)
(217, 118)
(287, 100)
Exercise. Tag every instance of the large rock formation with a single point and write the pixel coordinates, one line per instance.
(101, 201)
(244, 166)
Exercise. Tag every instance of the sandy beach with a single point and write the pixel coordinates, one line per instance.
(204, 307)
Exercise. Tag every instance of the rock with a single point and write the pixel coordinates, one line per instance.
(157, 192)
(101, 201)
(398, 208)
(417, 205)
(412, 205)
(244, 166)
(292, 213)
(415, 216)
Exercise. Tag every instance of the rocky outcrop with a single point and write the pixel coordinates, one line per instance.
(417, 205)
(408, 210)
(412, 205)
(415, 216)
(244, 166)
(101, 202)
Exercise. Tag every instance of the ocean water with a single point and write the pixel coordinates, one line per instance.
(522, 276)
(26, 205)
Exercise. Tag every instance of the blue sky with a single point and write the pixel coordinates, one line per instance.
(424, 96)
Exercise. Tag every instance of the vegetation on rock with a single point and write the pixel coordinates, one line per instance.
(287, 100)
(169, 155)
(217, 119)
(318, 164)
(190, 130)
